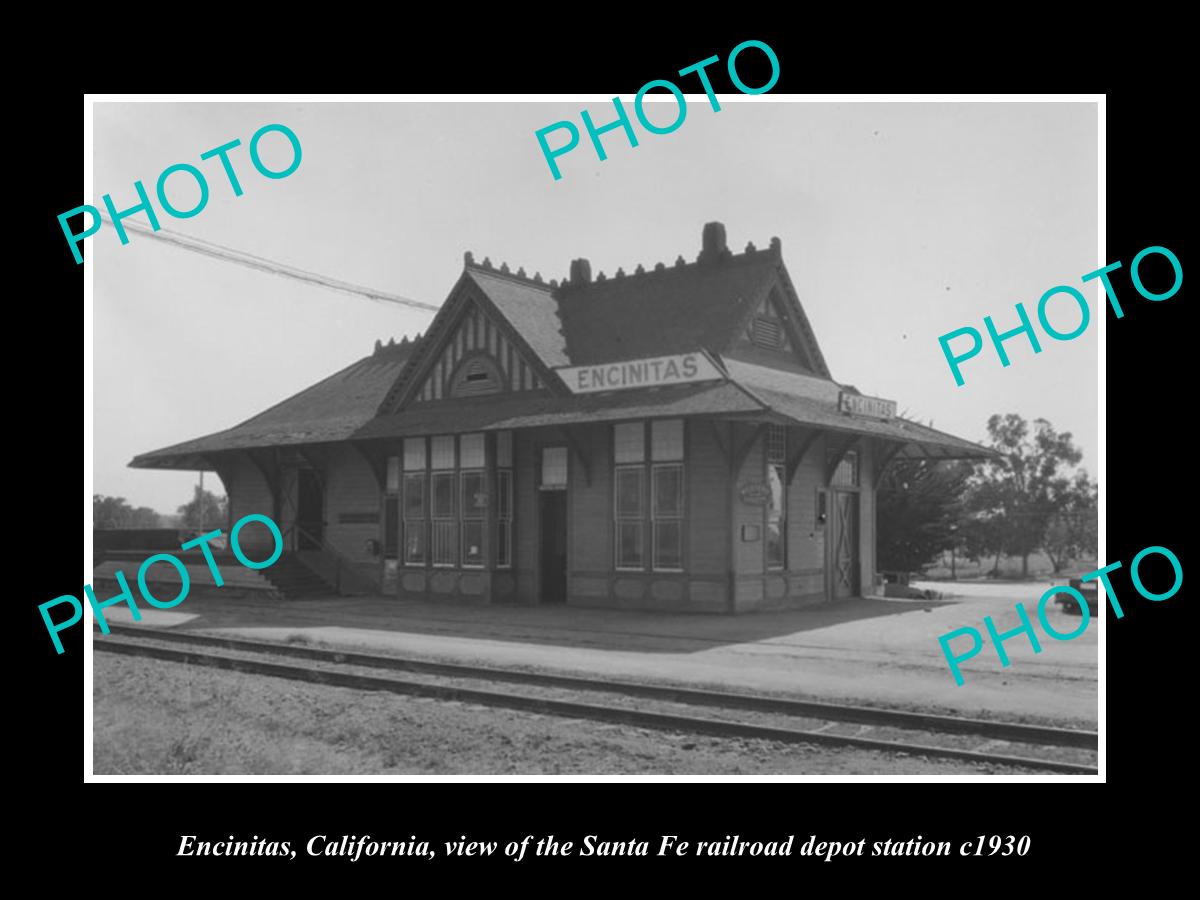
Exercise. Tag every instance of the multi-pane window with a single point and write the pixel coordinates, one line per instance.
(391, 509)
(473, 498)
(629, 456)
(846, 474)
(668, 516)
(414, 501)
(443, 508)
(648, 495)
(554, 468)
(474, 515)
(446, 502)
(630, 515)
(504, 499)
(666, 455)
(776, 511)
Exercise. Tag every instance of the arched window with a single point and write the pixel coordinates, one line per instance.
(476, 376)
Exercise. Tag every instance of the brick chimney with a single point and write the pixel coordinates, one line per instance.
(581, 271)
(712, 245)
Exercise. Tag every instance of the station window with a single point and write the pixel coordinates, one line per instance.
(391, 509)
(504, 499)
(443, 509)
(659, 517)
(846, 474)
(414, 501)
(776, 510)
(447, 501)
(554, 468)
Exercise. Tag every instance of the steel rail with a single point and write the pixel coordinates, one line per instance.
(1016, 732)
(563, 708)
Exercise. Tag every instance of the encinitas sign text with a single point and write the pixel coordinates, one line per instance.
(638, 373)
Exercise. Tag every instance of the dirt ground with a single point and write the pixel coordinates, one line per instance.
(165, 718)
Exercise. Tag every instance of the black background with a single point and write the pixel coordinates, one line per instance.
(1149, 471)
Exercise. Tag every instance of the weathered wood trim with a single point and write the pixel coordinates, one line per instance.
(578, 448)
(376, 459)
(797, 456)
(885, 460)
(839, 454)
(741, 451)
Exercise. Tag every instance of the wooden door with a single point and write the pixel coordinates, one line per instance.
(310, 509)
(553, 544)
(844, 544)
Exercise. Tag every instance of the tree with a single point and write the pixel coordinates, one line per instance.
(918, 512)
(1072, 529)
(115, 512)
(214, 510)
(1018, 492)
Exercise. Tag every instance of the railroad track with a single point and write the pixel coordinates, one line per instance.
(728, 714)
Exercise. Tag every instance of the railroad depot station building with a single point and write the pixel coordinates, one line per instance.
(668, 438)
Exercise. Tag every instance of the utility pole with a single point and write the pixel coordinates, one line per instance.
(200, 500)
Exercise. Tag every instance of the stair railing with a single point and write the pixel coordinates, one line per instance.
(343, 567)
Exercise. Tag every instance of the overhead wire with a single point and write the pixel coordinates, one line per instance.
(263, 264)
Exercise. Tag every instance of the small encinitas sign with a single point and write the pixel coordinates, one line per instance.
(862, 405)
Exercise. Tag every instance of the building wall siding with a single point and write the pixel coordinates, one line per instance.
(350, 487)
(806, 537)
(591, 505)
(866, 518)
(525, 515)
(707, 473)
(748, 556)
(251, 494)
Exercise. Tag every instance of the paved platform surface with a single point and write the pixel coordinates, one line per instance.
(873, 651)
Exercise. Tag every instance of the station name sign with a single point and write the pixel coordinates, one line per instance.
(862, 405)
(656, 371)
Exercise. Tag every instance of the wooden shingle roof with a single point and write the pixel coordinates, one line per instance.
(331, 410)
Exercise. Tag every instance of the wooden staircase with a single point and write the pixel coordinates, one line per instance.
(293, 580)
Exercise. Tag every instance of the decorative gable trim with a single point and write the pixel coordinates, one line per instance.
(480, 339)
(777, 303)
(468, 323)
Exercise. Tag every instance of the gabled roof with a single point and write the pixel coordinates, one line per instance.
(528, 410)
(669, 309)
(331, 410)
(513, 302)
(675, 309)
(681, 308)
(814, 401)
(750, 392)
(531, 310)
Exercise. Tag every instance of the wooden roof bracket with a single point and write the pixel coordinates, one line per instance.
(375, 459)
(886, 459)
(224, 471)
(719, 438)
(577, 448)
(838, 455)
(797, 456)
(267, 462)
(740, 451)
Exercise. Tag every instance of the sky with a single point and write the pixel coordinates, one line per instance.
(900, 222)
